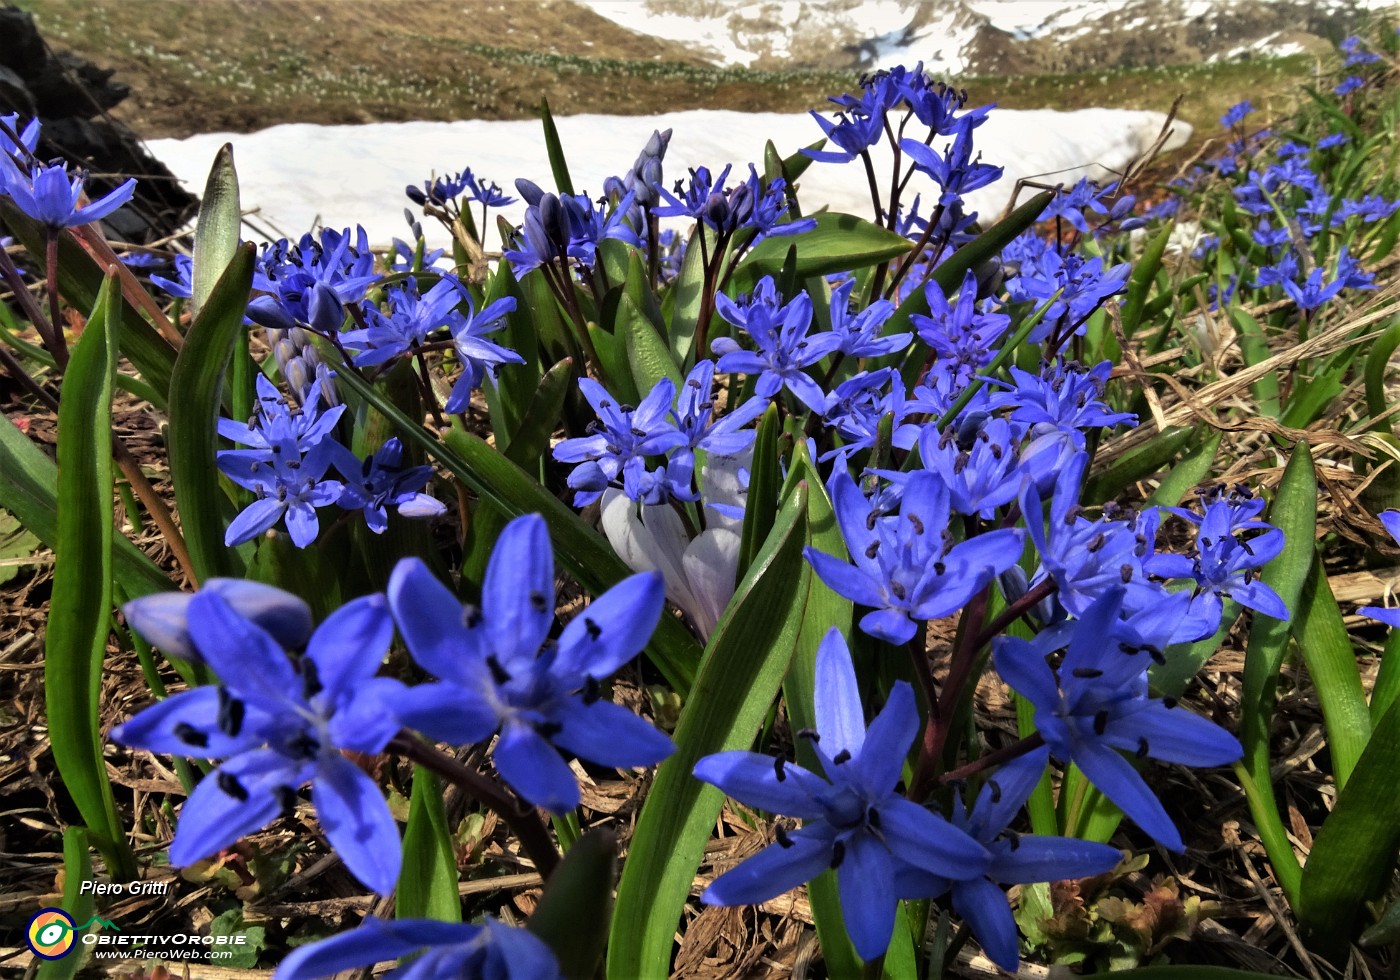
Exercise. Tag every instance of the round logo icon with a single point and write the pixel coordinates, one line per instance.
(51, 933)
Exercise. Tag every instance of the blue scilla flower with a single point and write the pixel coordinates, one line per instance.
(278, 429)
(50, 195)
(1391, 617)
(499, 670)
(278, 723)
(785, 346)
(977, 463)
(163, 618)
(618, 443)
(16, 142)
(854, 131)
(694, 415)
(954, 170)
(907, 568)
(309, 283)
(1016, 859)
(1083, 284)
(1348, 85)
(288, 489)
(854, 409)
(383, 481)
(1355, 53)
(1332, 140)
(853, 818)
(961, 335)
(1086, 195)
(859, 330)
(1063, 397)
(180, 284)
(1369, 208)
(461, 951)
(1097, 705)
(1227, 566)
(1236, 113)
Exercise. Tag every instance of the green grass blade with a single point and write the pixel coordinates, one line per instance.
(1143, 276)
(428, 882)
(558, 164)
(194, 409)
(1189, 473)
(530, 440)
(1322, 639)
(1137, 464)
(1353, 855)
(80, 610)
(743, 669)
(77, 869)
(584, 553)
(765, 477)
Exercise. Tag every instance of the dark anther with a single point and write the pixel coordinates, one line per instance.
(593, 629)
(498, 673)
(229, 783)
(1100, 722)
(538, 601)
(593, 427)
(842, 757)
(838, 854)
(471, 617)
(779, 772)
(1125, 572)
(286, 800)
(626, 408)
(591, 690)
(1096, 542)
(810, 734)
(305, 745)
(190, 735)
(918, 524)
(995, 788)
(870, 551)
(939, 568)
(870, 520)
(1129, 649)
(960, 462)
(231, 712)
(548, 729)
(1158, 657)
(1088, 673)
(898, 589)
(784, 841)
(693, 384)
(1169, 702)
(1014, 839)
(1142, 748)
(605, 403)
(310, 678)
(639, 433)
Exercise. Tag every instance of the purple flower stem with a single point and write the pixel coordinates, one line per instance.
(53, 342)
(524, 821)
(892, 290)
(959, 671)
(986, 761)
(1015, 610)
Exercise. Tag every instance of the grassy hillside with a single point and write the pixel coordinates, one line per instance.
(205, 65)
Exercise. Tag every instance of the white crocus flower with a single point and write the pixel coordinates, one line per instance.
(700, 572)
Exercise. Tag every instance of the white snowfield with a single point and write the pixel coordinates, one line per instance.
(301, 176)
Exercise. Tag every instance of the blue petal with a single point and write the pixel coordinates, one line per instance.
(753, 780)
(1391, 520)
(610, 735)
(887, 742)
(253, 520)
(1171, 734)
(351, 644)
(162, 618)
(212, 820)
(534, 769)
(925, 840)
(1120, 782)
(776, 869)
(1014, 782)
(1262, 599)
(357, 822)
(1034, 859)
(836, 698)
(249, 661)
(844, 578)
(983, 906)
(375, 941)
(1087, 649)
(518, 594)
(891, 625)
(1023, 667)
(154, 728)
(612, 629)
(448, 712)
(867, 906)
(367, 717)
(431, 620)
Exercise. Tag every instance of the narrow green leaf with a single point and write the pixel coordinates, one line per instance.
(1138, 464)
(575, 912)
(531, 439)
(194, 410)
(1377, 363)
(428, 882)
(584, 553)
(216, 230)
(80, 610)
(839, 243)
(765, 478)
(558, 164)
(1143, 276)
(77, 869)
(1322, 639)
(686, 294)
(743, 668)
(647, 356)
(1353, 856)
(1190, 472)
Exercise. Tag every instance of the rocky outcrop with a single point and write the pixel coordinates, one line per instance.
(71, 97)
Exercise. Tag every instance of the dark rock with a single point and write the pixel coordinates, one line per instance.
(71, 97)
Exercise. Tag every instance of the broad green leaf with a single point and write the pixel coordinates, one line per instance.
(612, 363)
(428, 882)
(1377, 363)
(686, 294)
(558, 163)
(743, 668)
(839, 243)
(81, 605)
(1353, 856)
(575, 912)
(1137, 464)
(765, 479)
(1322, 640)
(216, 230)
(1293, 511)
(77, 869)
(530, 440)
(584, 553)
(80, 279)
(16, 545)
(647, 356)
(1189, 473)
(194, 411)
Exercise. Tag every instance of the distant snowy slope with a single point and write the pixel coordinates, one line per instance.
(300, 175)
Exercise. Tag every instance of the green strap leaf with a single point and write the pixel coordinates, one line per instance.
(428, 881)
(1188, 473)
(744, 665)
(1353, 855)
(647, 355)
(77, 869)
(1137, 464)
(530, 440)
(839, 243)
(765, 478)
(558, 164)
(575, 912)
(80, 611)
(194, 410)
(1143, 276)
(216, 230)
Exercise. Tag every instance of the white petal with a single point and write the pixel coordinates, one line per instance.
(711, 564)
(720, 484)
